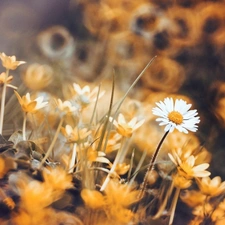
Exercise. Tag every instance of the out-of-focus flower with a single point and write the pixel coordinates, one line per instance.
(96, 156)
(66, 107)
(165, 75)
(9, 202)
(122, 168)
(6, 164)
(125, 128)
(188, 168)
(9, 62)
(75, 134)
(211, 187)
(92, 198)
(118, 198)
(181, 182)
(203, 211)
(85, 95)
(5, 79)
(38, 76)
(35, 196)
(57, 178)
(29, 105)
(176, 115)
(192, 197)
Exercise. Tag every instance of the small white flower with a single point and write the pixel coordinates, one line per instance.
(125, 128)
(66, 106)
(85, 95)
(176, 115)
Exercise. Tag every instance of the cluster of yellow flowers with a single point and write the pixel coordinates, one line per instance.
(92, 156)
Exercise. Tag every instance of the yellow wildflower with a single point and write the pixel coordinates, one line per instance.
(29, 105)
(96, 156)
(35, 195)
(75, 134)
(192, 197)
(188, 168)
(181, 182)
(57, 178)
(66, 106)
(5, 79)
(92, 198)
(122, 168)
(212, 187)
(9, 62)
(124, 128)
(118, 198)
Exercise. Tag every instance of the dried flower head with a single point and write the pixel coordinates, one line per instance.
(29, 105)
(125, 128)
(9, 62)
(38, 76)
(176, 115)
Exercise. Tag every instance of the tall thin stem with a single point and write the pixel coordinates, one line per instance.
(3, 101)
(53, 143)
(24, 126)
(174, 204)
(151, 166)
(73, 158)
(120, 151)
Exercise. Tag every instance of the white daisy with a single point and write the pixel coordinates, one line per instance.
(176, 115)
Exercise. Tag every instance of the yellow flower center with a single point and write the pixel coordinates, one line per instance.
(175, 117)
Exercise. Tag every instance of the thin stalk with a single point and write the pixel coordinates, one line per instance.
(133, 84)
(53, 143)
(164, 200)
(137, 168)
(24, 126)
(151, 166)
(120, 151)
(73, 158)
(95, 106)
(3, 102)
(174, 204)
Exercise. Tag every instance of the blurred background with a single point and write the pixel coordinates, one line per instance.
(89, 39)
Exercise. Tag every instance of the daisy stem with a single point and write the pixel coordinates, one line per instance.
(3, 101)
(120, 151)
(24, 126)
(53, 143)
(151, 166)
(174, 203)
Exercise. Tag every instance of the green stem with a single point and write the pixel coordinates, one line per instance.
(24, 126)
(3, 102)
(151, 166)
(120, 151)
(53, 143)
(174, 204)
